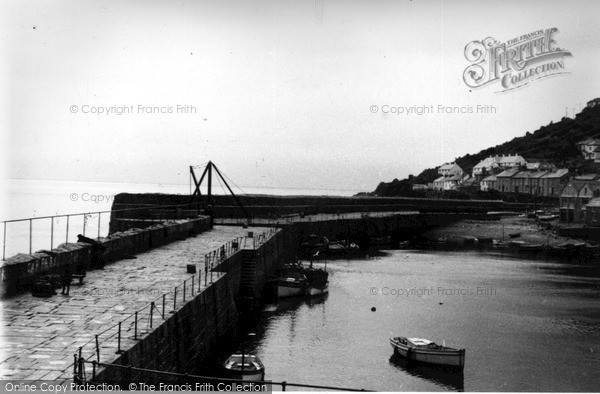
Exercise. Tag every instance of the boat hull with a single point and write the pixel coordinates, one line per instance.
(316, 291)
(449, 357)
(251, 376)
(289, 290)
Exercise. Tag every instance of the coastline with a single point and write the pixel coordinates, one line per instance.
(530, 231)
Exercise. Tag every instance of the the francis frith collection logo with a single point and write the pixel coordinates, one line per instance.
(515, 63)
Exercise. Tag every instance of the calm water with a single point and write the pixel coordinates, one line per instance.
(535, 326)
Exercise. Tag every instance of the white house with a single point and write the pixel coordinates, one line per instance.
(496, 164)
(450, 169)
(588, 148)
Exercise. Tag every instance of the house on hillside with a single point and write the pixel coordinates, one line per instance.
(503, 180)
(451, 177)
(511, 161)
(552, 183)
(488, 183)
(588, 148)
(539, 165)
(493, 165)
(450, 169)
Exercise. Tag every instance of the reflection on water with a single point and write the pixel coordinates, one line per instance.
(445, 377)
(517, 337)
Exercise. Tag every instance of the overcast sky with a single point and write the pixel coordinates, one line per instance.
(282, 89)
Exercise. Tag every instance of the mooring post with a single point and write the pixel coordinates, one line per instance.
(97, 349)
(74, 367)
(135, 327)
(283, 384)
(184, 282)
(193, 284)
(174, 300)
(163, 308)
(93, 370)
(119, 351)
(151, 312)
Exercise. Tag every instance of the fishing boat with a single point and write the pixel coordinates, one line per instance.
(317, 280)
(426, 351)
(469, 240)
(291, 283)
(246, 367)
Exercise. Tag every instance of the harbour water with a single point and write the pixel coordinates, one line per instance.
(526, 324)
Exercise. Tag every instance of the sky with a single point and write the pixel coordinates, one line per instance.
(279, 93)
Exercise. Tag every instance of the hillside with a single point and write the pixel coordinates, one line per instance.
(555, 142)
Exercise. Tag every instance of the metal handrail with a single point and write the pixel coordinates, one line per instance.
(209, 262)
(68, 216)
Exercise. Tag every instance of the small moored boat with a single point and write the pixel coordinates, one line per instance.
(291, 284)
(426, 351)
(247, 367)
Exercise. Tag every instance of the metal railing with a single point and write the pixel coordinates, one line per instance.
(87, 219)
(80, 377)
(143, 320)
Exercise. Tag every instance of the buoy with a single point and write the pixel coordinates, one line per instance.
(373, 309)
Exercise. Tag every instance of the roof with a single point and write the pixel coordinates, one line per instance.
(594, 202)
(523, 174)
(508, 173)
(448, 166)
(453, 178)
(586, 177)
(440, 179)
(491, 178)
(589, 141)
(510, 159)
(569, 191)
(538, 174)
(557, 174)
(487, 162)
(490, 161)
